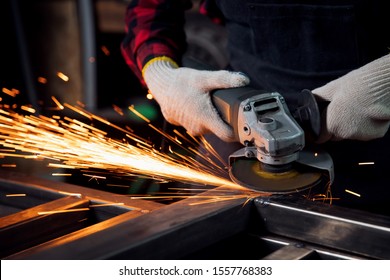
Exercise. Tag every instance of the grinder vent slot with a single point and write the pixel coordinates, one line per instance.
(266, 106)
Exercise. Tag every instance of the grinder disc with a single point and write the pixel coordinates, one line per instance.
(249, 173)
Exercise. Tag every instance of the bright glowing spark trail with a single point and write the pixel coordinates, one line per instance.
(70, 143)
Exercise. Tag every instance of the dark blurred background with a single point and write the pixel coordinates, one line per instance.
(81, 39)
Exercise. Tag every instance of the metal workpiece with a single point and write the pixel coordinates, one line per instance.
(291, 252)
(41, 223)
(36, 211)
(351, 230)
(280, 248)
(168, 233)
(101, 225)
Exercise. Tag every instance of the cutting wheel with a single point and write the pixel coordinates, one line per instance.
(249, 173)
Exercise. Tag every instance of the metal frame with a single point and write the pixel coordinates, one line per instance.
(335, 227)
(276, 227)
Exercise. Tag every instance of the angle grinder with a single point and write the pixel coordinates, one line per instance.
(274, 157)
(272, 129)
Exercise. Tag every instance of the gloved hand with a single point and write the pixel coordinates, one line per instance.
(359, 107)
(183, 95)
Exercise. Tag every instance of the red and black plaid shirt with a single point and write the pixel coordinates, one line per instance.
(156, 28)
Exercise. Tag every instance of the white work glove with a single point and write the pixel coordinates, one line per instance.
(359, 107)
(183, 95)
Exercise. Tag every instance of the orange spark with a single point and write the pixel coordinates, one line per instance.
(105, 50)
(13, 92)
(62, 76)
(59, 105)
(42, 80)
(134, 111)
(62, 211)
(353, 193)
(71, 194)
(367, 163)
(81, 103)
(8, 165)
(75, 144)
(118, 110)
(61, 174)
(28, 109)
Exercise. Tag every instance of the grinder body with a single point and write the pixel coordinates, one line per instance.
(262, 123)
(273, 129)
(273, 158)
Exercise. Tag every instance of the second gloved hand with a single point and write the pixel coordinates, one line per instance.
(359, 107)
(183, 95)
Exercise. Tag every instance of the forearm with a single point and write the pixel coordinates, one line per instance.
(154, 28)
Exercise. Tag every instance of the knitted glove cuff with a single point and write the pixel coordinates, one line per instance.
(167, 61)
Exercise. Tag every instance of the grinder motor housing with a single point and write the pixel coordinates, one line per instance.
(262, 123)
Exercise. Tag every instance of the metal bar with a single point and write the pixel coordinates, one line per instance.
(87, 30)
(272, 244)
(353, 231)
(291, 252)
(41, 223)
(171, 232)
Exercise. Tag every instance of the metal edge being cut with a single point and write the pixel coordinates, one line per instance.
(248, 173)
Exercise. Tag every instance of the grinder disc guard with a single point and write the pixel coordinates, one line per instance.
(250, 173)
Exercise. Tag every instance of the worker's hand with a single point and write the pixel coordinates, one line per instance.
(183, 95)
(359, 105)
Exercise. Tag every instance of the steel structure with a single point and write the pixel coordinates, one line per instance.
(55, 220)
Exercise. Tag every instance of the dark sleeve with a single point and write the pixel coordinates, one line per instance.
(154, 28)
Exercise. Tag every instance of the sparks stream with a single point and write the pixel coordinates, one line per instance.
(70, 143)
